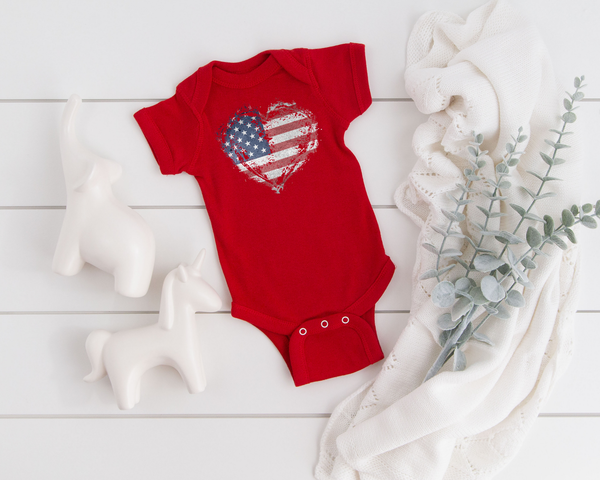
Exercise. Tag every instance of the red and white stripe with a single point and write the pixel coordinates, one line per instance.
(291, 138)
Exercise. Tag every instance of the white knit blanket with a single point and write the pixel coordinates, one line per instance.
(490, 74)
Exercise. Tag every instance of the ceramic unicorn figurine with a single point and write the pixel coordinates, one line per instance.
(98, 228)
(126, 355)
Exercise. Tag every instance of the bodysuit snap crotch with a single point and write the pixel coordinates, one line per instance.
(327, 346)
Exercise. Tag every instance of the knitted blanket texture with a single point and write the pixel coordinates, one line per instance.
(488, 74)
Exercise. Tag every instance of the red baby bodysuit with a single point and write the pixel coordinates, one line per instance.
(295, 232)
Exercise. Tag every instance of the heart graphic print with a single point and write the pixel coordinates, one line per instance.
(270, 148)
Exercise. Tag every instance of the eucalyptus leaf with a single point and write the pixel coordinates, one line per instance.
(567, 218)
(534, 237)
(487, 263)
(517, 208)
(515, 299)
(571, 235)
(453, 216)
(525, 282)
(549, 225)
(528, 263)
(504, 185)
(588, 222)
(479, 138)
(478, 297)
(547, 158)
(461, 307)
(451, 252)
(491, 289)
(569, 117)
(504, 269)
(440, 231)
(442, 294)
(429, 274)
(482, 338)
(466, 334)
(445, 322)
(522, 138)
(491, 310)
(537, 175)
(443, 337)
(472, 151)
(485, 211)
(430, 248)
(575, 210)
(463, 284)
(460, 360)
(534, 217)
(545, 195)
(441, 271)
(502, 168)
(559, 242)
(502, 313)
(510, 238)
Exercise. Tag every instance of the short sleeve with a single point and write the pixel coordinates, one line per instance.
(341, 76)
(173, 130)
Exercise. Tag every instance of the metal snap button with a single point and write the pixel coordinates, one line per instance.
(324, 323)
(345, 319)
(302, 331)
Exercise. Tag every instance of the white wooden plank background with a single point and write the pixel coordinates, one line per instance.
(251, 422)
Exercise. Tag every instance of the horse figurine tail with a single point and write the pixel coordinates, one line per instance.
(94, 346)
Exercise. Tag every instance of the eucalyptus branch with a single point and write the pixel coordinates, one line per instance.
(466, 295)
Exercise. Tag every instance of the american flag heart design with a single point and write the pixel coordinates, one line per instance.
(270, 148)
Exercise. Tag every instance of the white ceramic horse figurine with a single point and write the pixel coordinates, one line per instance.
(126, 355)
(98, 228)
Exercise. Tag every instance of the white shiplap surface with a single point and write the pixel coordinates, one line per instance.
(251, 422)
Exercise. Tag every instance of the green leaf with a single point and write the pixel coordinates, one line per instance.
(487, 263)
(588, 222)
(549, 225)
(440, 231)
(444, 336)
(518, 208)
(547, 158)
(442, 294)
(529, 192)
(558, 242)
(559, 161)
(504, 184)
(569, 117)
(472, 151)
(478, 297)
(491, 289)
(466, 334)
(597, 208)
(429, 274)
(491, 310)
(575, 210)
(577, 96)
(568, 219)
(510, 147)
(460, 360)
(528, 263)
(509, 238)
(533, 216)
(534, 237)
(545, 195)
(453, 216)
(502, 168)
(567, 104)
(502, 313)
(571, 235)
(577, 82)
(441, 271)
(536, 175)
(430, 248)
(451, 252)
(445, 322)
(461, 307)
(485, 211)
(515, 299)
(479, 139)
(513, 161)
(587, 208)
(504, 269)
(463, 284)
(483, 338)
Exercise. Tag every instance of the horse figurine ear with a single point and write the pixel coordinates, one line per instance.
(182, 274)
(197, 265)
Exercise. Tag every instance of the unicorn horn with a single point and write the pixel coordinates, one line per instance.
(199, 259)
